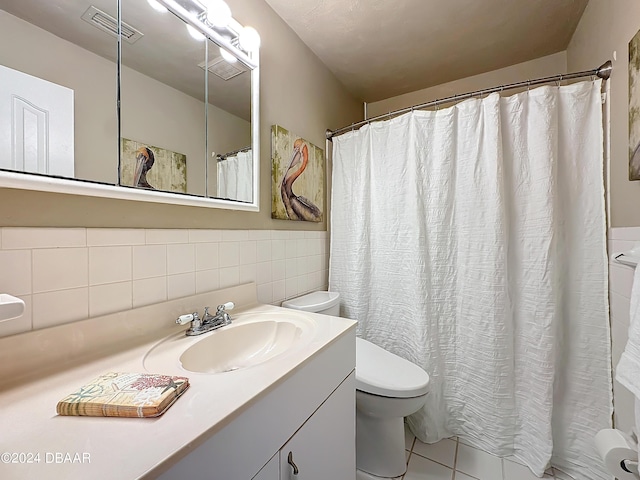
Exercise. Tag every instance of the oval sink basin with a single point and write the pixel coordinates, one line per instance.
(242, 346)
(251, 340)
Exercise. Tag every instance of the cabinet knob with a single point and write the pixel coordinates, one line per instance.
(292, 463)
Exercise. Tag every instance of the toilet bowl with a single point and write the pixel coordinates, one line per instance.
(388, 388)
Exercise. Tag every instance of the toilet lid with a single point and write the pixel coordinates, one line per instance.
(380, 372)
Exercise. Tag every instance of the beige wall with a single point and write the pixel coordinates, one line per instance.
(540, 67)
(297, 91)
(606, 27)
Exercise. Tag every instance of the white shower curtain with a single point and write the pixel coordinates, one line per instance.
(471, 241)
(235, 177)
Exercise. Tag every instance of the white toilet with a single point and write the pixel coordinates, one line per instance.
(388, 388)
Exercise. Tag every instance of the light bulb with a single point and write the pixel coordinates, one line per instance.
(218, 13)
(228, 56)
(249, 39)
(195, 34)
(157, 7)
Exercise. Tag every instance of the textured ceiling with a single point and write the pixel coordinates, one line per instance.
(382, 48)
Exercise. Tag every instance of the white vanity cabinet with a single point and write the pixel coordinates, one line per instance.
(323, 447)
(310, 413)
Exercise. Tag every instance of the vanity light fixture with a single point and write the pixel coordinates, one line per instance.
(195, 34)
(218, 13)
(227, 56)
(157, 7)
(212, 18)
(249, 39)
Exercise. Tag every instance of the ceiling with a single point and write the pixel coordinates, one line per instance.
(383, 48)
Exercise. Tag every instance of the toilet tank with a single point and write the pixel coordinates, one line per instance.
(327, 303)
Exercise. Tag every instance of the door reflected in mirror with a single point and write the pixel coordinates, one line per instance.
(185, 112)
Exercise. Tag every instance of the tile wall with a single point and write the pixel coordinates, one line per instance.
(70, 274)
(620, 282)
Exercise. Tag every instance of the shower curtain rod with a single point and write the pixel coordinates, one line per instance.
(603, 71)
(223, 156)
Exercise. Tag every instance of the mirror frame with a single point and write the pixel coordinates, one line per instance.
(43, 183)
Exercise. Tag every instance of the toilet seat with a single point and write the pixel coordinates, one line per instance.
(382, 373)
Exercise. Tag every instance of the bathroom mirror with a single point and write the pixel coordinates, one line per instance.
(179, 121)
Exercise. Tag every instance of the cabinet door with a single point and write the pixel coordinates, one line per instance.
(324, 447)
(271, 471)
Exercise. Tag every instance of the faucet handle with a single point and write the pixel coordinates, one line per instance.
(189, 317)
(226, 306)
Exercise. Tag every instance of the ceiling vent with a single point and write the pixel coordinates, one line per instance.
(107, 23)
(223, 69)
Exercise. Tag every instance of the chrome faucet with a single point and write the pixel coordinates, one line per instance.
(208, 322)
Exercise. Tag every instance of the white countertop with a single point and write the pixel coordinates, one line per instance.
(121, 448)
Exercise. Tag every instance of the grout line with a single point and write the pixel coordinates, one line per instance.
(455, 460)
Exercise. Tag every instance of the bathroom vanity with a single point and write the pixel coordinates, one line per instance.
(293, 411)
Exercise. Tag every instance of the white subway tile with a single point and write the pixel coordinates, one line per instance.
(265, 293)
(625, 233)
(181, 258)
(304, 265)
(291, 266)
(25, 237)
(279, 290)
(290, 249)
(149, 261)
(99, 237)
(619, 337)
(302, 247)
(619, 306)
(207, 280)
(110, 298)
(278, 270)
(60, 268)
(247, 252)
(62, 306)
(229, 277)
(263, 251)
(181, 285)
(148, 291)
(621, 278)
(624, 406)
(324, 247)
(291, 287)
(15, 272)
(247, 273)
(235, 235)
(207, 256)
(204, 236)
(229, 255)
(263, 273)
(279, 235)
(619, 246)
(165, 236)
(259, 234)
(109, 265)
(278, 250)
(21, 324)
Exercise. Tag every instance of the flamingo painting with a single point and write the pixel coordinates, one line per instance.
(305, 169)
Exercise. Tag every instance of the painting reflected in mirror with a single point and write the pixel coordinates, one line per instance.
(184, 109)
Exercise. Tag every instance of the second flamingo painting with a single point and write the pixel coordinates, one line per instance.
(297, 177)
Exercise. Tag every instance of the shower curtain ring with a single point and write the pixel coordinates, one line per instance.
(528, 85)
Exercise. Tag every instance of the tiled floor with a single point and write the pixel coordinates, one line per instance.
(451, 459)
